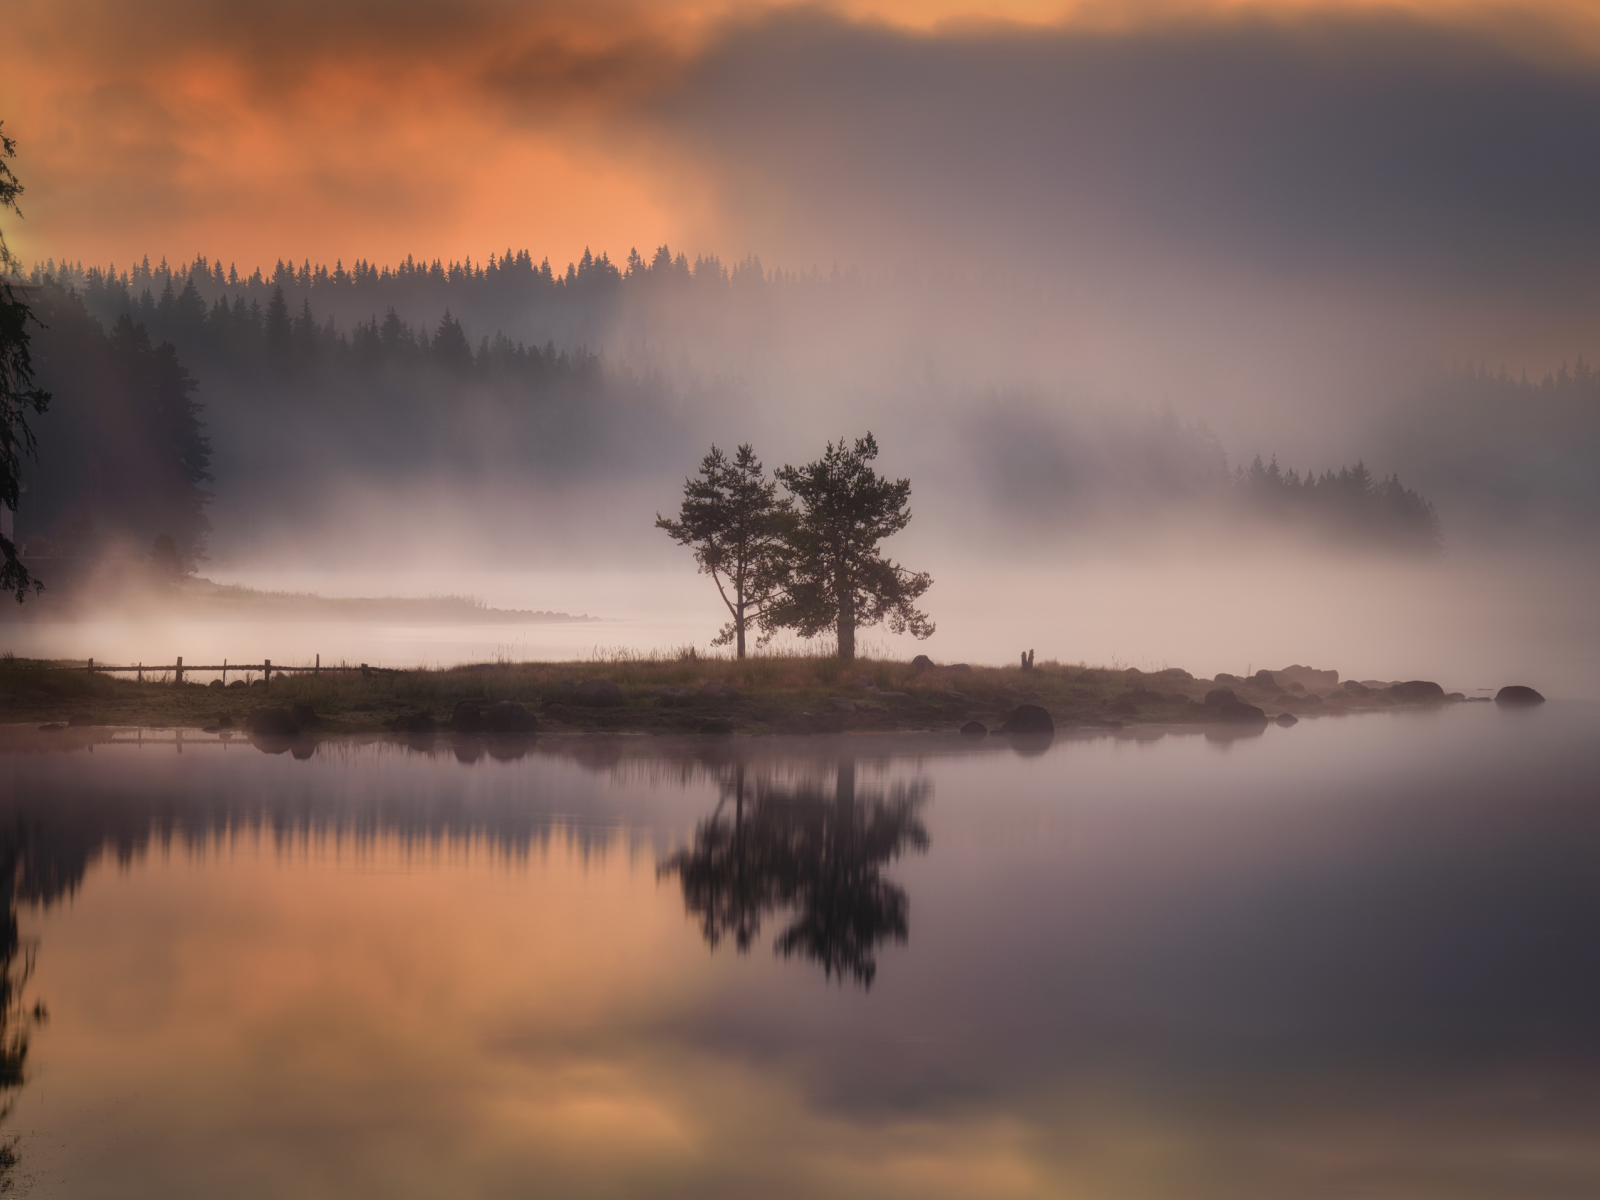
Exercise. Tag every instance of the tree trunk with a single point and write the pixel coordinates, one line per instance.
(847, 620)
(738, 629)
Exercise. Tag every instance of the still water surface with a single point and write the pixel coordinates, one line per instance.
(1353, 958)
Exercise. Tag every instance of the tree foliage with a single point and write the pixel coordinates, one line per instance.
(733, 519)
(18, 395)
(835, 577)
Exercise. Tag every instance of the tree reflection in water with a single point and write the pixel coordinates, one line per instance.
(800, 848)
(16, 1021)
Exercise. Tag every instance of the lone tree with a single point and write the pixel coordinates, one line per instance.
(17, 393)
(735, 522)
(835, 577)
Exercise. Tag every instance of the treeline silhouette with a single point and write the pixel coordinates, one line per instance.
(1349, 503)
(1111, 465)
(374, 312)
(123, 448)
(1506, 447)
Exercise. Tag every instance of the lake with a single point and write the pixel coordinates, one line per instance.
(1356, 957)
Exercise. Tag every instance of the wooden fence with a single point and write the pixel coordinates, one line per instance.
(178, 669)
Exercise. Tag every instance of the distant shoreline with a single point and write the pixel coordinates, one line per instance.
(203, 599)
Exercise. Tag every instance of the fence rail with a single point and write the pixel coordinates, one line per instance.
(178, 669)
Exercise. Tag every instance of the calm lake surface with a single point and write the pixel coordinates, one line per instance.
(1355, 958)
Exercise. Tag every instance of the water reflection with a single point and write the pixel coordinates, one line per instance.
(816, 851)
(17, 1019)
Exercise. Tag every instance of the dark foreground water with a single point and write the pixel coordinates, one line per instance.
(1356, 958)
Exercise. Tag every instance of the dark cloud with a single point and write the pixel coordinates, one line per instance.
(1359, 148)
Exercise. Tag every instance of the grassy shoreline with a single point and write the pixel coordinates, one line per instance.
(769, 695)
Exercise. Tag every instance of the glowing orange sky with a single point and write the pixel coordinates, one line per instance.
(367, 130)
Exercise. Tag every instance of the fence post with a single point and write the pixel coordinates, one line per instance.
(317, 670)
(266, 674)
(178, 670)
(224, 672)
(91, 666)
(141, 672)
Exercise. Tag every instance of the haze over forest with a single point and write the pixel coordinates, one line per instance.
(1298, 294)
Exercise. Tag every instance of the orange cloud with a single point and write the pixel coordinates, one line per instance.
(376, 130)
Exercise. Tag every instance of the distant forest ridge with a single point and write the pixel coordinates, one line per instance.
(398, 400)
(377, 311)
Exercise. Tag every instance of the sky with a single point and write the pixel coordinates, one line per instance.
(880, 133)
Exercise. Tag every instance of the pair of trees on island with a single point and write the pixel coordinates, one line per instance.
(806, 561)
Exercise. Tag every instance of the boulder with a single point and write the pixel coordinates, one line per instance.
(1308, 677)
(1028, 718)
(237, 683)
(1517, 694)
(964, 668)
(1224, 677)
(840, 704)
(1356, 689)
(224, 722)
(507, 716)
(217, 683)
(1220, 697)
(1175, 674)
(1265, 676)
(1417, 691)
(922, 663)
(974, 729)
(717, 688)
(274, 722)
(1288, 719)
(598, 693)
(305, 716)
(467, 717)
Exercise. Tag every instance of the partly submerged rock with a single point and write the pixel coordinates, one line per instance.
(1287, 719)
(467, 717)
(1417, 691)
(274, 722)
(1028, 718)
(598, 693)
(974, 729)
(507, 716)
(1230, 708)
(1517, 694)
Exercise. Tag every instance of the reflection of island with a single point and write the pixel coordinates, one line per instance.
(821, 856)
